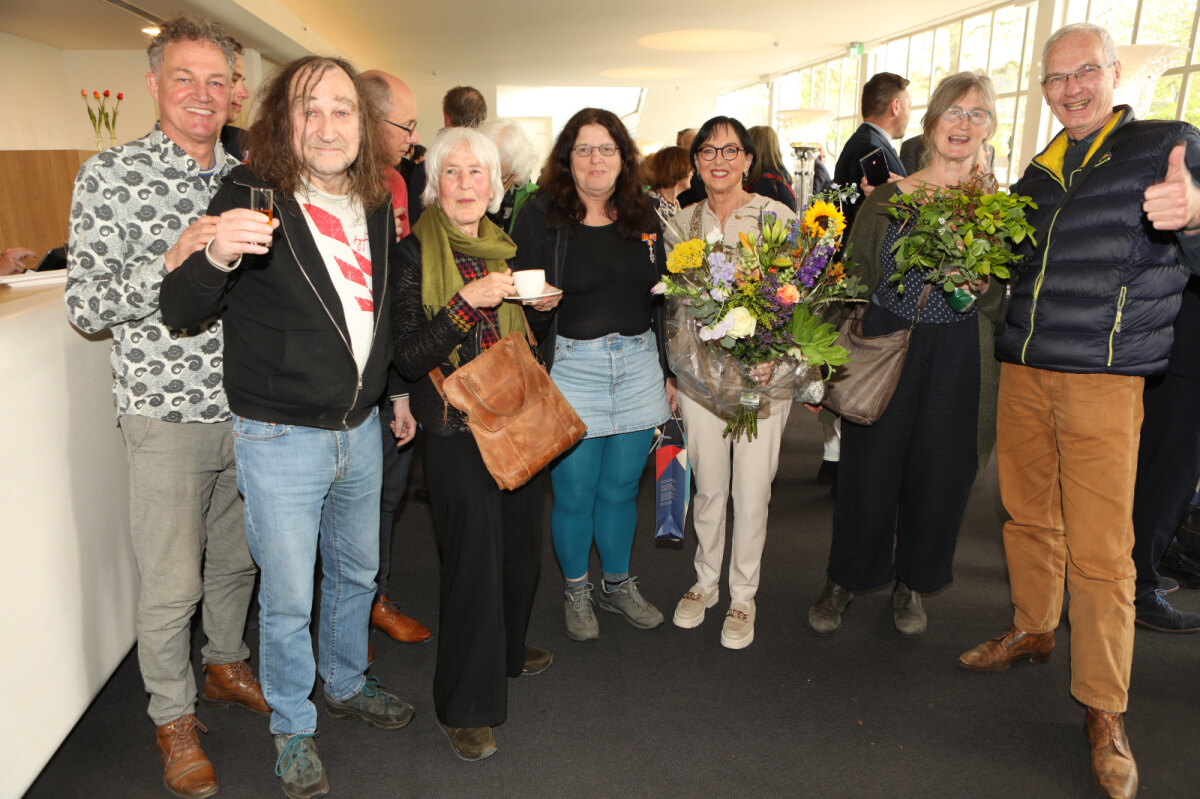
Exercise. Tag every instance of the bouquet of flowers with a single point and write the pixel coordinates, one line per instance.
(103, 118)
(744, 321)
(959, 236)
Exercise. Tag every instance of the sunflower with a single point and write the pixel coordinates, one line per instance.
(821, 217)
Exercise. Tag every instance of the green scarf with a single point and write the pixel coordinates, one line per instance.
(440, 278)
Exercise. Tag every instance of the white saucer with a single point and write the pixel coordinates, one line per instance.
(535, 297)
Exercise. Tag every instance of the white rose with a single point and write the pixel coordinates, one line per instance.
(741, 321)
(714, 237)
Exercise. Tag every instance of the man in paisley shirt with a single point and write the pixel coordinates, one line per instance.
(136, 214)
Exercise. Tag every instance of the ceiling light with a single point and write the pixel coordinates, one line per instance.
(151, 31)
(706, 40)
(649, 73)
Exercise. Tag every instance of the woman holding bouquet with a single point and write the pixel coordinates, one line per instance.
(903, 482)
(723, 153)
(594, 231)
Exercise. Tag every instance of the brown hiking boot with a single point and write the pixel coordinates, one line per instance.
(187, 771)
(1000, 653)
(1113, 768)
(233, 684)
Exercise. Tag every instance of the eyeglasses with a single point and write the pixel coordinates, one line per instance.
(585, 150)
(405, 128)
(977, 116)
(1085, 73)
(728, 152)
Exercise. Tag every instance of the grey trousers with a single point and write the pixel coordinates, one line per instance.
(189, 540)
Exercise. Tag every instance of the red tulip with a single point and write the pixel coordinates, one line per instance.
(120, 95)
(106, 92)
(96, 95)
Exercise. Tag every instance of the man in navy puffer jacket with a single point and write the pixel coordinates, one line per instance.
(1090, 317)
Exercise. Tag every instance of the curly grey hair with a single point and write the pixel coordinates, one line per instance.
(182, 28)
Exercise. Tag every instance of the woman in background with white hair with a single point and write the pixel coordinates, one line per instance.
(517, 162)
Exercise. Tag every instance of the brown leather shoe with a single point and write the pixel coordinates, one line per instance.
(1000, 653)
(537, 660)
(187, 771)
(370, 653)
(387, 617)
(233, 684)
(471, 743)
(1113, 768)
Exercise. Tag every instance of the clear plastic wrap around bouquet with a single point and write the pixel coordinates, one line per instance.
(744, 322)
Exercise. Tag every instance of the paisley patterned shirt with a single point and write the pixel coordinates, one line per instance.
(131, 204)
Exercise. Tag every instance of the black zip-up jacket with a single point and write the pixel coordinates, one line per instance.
(287, 350)
(1100, 292)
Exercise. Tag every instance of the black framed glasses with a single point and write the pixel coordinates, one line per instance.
(1085, 73)
(728, 152)
(405, 128)
(585, 150)
(976, 116)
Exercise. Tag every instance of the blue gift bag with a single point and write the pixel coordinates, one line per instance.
(673, 482)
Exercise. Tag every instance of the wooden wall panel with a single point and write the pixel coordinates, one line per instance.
(35, 196)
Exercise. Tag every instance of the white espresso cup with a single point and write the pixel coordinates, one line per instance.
(530, 282)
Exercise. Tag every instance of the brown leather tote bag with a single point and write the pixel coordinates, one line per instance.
(861, 390)
(519, 418)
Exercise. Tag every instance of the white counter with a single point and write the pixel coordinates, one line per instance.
(69, 590)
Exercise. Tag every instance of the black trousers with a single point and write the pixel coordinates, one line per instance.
(490, 542)
(396, 461)
(903, 482)
(1168, 465)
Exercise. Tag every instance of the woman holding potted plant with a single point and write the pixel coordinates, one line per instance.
(903, 482)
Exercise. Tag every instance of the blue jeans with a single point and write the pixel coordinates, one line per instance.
(306, 487)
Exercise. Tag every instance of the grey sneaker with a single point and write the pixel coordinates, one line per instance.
(630, 603)
(826, 615)
(581, 619)
(297, 764)
(373, 704)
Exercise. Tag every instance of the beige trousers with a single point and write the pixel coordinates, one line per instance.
(750, 472)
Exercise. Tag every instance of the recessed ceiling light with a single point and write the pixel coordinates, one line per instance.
(698, 40)
(649, 73)
(151, 31)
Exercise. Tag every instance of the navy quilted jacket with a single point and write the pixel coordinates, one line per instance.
(1101, 289)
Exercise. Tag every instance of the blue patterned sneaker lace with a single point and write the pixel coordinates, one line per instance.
(296, 752)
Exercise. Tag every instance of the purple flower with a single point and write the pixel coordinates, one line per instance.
(720, 268)
(715, 331)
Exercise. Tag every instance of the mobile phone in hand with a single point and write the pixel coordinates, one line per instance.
(875, 168)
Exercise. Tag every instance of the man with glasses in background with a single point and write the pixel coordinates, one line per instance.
(1090, 317)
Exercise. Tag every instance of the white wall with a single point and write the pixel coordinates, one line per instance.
(41, 105)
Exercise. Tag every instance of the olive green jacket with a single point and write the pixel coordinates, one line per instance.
(866, 246)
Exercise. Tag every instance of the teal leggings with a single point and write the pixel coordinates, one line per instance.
(595, 498)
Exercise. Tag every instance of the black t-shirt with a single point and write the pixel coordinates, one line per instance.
(606, 283)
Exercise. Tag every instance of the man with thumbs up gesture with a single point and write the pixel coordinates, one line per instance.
(1090, 317)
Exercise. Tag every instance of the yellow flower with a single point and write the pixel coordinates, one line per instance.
(685, 255)
(836, 272)
(821, 217)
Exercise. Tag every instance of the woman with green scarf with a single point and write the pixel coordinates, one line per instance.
(451, 282)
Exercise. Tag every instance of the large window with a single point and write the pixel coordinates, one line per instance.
(1000, 42)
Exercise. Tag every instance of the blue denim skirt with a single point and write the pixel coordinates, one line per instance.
(614, 383)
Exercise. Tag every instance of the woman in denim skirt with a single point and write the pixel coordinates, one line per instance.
(594, 231)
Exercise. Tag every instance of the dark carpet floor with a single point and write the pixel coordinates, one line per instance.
(670, 713)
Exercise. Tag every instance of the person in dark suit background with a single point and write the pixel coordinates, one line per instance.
(885, 109)
(1168, 465)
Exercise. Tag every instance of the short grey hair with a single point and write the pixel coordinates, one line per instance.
(445, 142)
(1089, 28)
(186, 29)
(949, 89)
(514, 145)
(375, 87)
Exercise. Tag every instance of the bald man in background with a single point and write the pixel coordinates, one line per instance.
(397, 129)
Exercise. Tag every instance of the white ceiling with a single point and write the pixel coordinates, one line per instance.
(513, 42)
